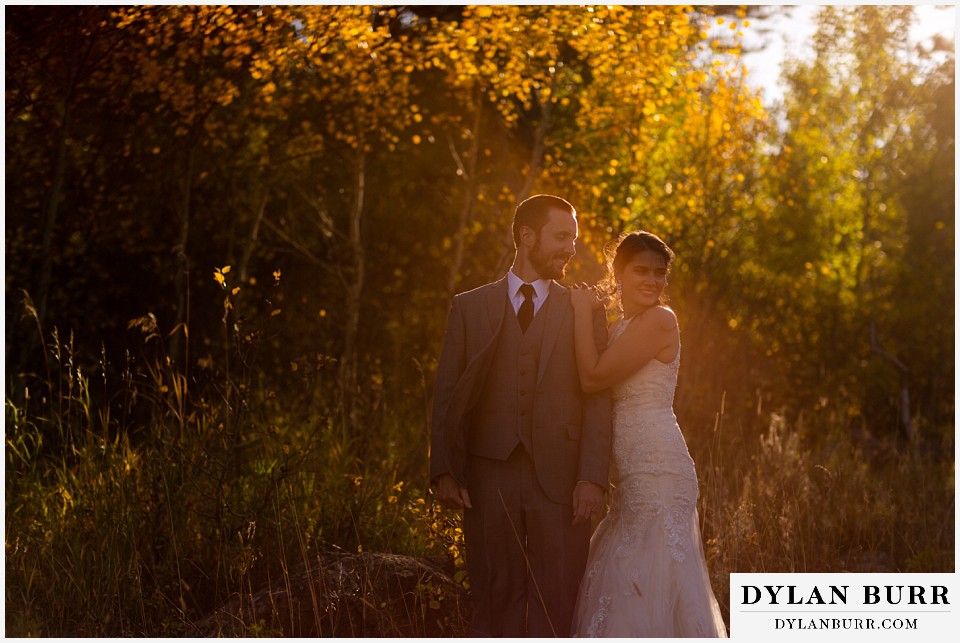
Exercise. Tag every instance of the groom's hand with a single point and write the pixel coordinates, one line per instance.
(451, 494)
(587, 497)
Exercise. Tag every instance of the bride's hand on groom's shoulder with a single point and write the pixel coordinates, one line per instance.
(585, 295)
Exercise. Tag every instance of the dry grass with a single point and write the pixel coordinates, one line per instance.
(145, 509)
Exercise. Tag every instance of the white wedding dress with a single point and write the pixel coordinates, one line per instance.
(646, 575)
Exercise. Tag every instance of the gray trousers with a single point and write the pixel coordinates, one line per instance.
(524, 557)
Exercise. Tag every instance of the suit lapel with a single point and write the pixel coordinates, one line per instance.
(488, 313)
(476, 372)
(557, 306)
(496, 305)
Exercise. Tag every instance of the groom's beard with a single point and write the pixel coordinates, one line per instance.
(549, 266)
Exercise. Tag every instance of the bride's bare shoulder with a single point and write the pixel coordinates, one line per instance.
(660, 317)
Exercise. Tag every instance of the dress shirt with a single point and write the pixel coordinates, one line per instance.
(541, 286)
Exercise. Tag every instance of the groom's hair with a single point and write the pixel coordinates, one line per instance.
(533, 212)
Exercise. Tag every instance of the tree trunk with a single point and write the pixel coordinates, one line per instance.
(252, 241)
(469, 197)
(53, 208)
(46, 253)
(182, 281)
(354, 290)
(905, 419)
(533, 173)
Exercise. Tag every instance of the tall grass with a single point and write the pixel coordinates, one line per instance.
(139, 506)
(140, 510)
(806, 496)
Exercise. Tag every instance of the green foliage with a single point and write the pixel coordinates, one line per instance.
(233, 233)
(185, 500)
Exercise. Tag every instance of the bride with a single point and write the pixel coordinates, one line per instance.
(646, 575)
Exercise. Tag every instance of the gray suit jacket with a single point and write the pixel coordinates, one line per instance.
(571, 430)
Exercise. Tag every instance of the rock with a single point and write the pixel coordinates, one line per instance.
(348, 595)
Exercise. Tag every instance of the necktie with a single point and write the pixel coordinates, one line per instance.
(525, 314)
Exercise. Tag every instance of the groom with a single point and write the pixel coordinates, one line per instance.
(514, 441)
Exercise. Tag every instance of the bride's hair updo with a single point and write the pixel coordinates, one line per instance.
(622, 252)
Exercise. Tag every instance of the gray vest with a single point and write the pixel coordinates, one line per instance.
(503, 415)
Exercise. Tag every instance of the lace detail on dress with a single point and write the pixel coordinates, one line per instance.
(647, 575)
(599, 620)
(677, 523)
